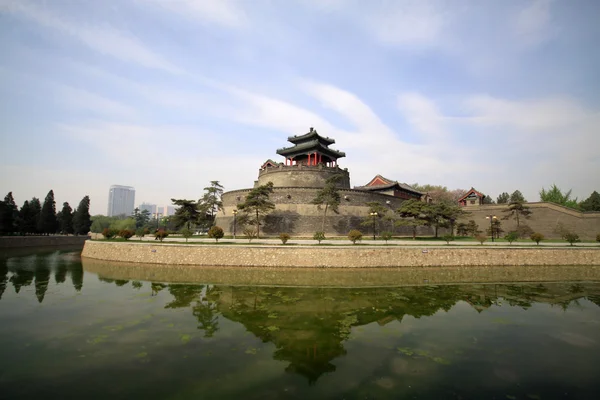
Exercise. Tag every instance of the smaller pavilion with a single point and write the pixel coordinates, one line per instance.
(382, 185)
(471, 198)
(310, 149)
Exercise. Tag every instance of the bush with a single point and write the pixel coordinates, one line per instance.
(386, 236)
(524, 231)
(355, 235)
(481, 238)
(109, 233)
(126, 233)
(537, 237)
(318, 236)
(215, 232)
(448, 238)
(141, 232)
(571, 238)
(250, 234)
(510, 237)
(161, 234)
(187, 233)
(598, 237)
(284, 237)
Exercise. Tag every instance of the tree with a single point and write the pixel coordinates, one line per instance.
(29, 216)
(510, 237)
(571, 238)
(440, 193)
(48, 223)
(9, 214)
(187, 233)
(257, 203)
(496, 228)
(141, 217)
(216, 232)
(592, 203)
(65, 221)
(186, 213)
(126, 233)
(328, 196)
(444, 215)
(211, 203)
(461, 229)
(413, 213)
(487, 200)
(517, 197)
(473, 228)
(516, 209)
(101, 222)
(319, 236)
(503, 198)
(354, 236)
(555, 195)
(284, 237)
(81, 217)
(537, 237)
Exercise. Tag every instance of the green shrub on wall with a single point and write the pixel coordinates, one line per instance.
(319, 236)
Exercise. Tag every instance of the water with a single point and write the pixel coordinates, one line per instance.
(111, 331)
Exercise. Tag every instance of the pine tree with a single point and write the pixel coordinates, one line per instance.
(33, 216)
(329, 196)
(211, 203)
(517, 197)
(81, 217)
(8, 214)
(47, 223)
(592, 203)
(503, 198)
(257, 202)
(65, 221)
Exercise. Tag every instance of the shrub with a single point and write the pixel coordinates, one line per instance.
(481, 238)
(109, 233)
(187, 233)
(386, 236)
(141, 232)
(355, 235)
(598, 237)
(284, 237)
(537, 237)
(448, 238)
(126, 233)
(511, 236)
(571, 238)
(161, 234)
(462, 229)
(318, 236)
(524, 231)
(250, 234)
(215, 232)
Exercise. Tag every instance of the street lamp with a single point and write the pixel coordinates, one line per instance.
(491, 218)
(234, 212)
(373, 215)
(157, 214)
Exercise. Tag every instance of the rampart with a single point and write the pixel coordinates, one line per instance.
(338, 256)
(302, 176)
(546, 218)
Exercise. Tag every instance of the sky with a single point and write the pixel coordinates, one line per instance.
(168, 95)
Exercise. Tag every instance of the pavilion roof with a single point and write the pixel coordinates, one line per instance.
(310, 147)
(381, 183)
(310, 136)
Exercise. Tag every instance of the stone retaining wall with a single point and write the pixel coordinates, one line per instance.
(338, 256)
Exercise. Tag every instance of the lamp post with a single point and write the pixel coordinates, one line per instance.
(234, 212)
(491, 218)
(373, 215)
(157, 214)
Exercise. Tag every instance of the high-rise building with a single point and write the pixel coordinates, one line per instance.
(166, 210)
(120, 200)
(150, 207)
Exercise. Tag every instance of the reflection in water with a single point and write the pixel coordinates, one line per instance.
(427, 341)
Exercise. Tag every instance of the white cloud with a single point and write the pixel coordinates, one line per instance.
(532, 22)
(221, 12)
(408, 22)
(105, 39)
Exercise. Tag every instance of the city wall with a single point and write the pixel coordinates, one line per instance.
(546, 218)
(338, 256)
(41, 241)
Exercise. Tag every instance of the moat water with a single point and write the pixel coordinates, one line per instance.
(68, 332)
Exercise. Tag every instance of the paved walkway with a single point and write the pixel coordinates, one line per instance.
(370, 241)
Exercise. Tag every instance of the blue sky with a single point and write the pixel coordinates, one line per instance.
(167, 95)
